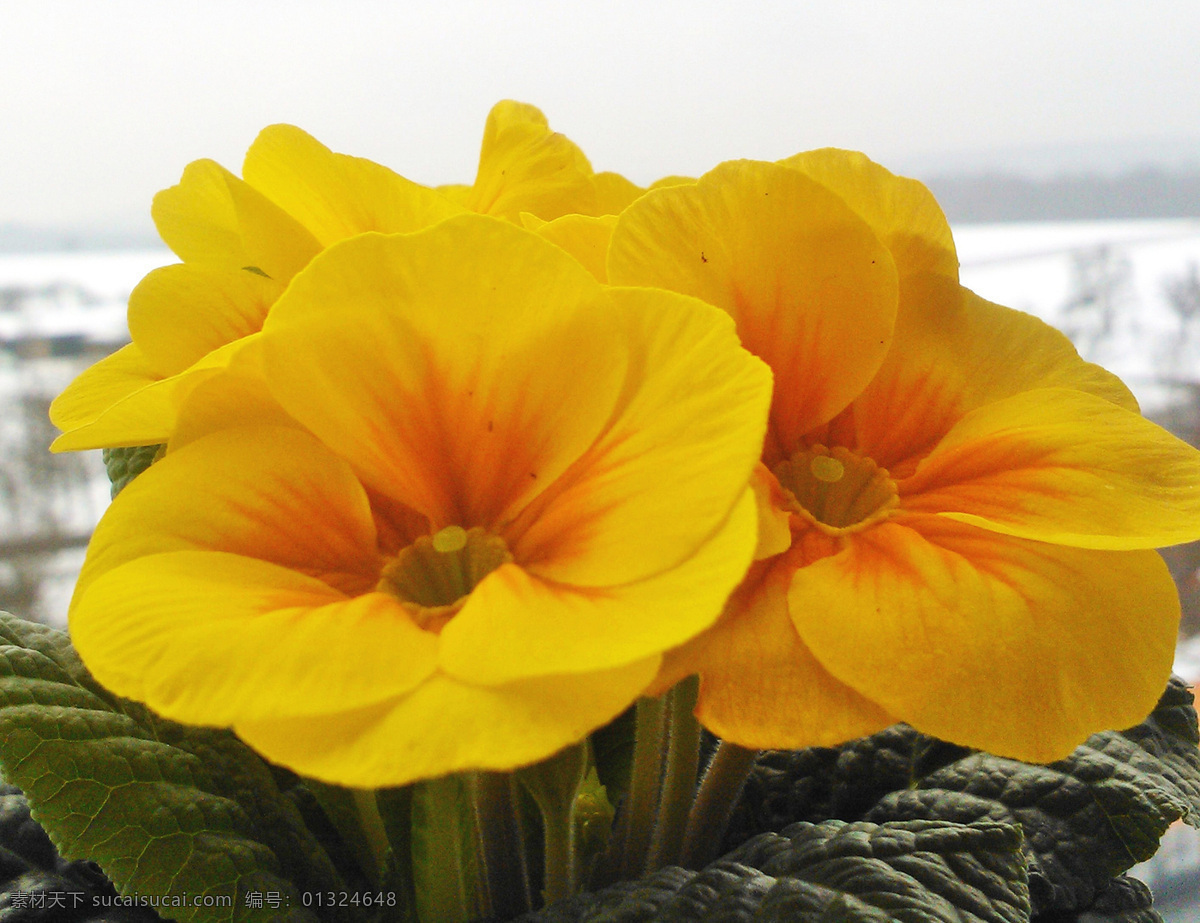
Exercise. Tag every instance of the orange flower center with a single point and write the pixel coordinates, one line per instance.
(433, 576)
(838, 490)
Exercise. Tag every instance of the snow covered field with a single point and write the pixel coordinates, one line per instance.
(1084, 276)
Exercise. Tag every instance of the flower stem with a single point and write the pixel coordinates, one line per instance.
(560, 857)
(679, 782)
(715, 801)
(372, 827)
(506, 877)
(635, 826)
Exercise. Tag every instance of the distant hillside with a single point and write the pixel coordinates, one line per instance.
(998, 196)
(22, 238)
(968, 196)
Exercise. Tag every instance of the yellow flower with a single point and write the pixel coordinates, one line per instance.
(513, 489)
(962, 508)
(242, 241)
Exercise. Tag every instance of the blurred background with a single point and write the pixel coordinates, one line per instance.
(1063, 141)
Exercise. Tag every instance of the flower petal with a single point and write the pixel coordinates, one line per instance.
(954, 352)
(516, 625)
(178, 314)
(584, 237)
(1019, 648)
(774, 516)
(901, 212)
(1066, 467)
(614, 193)
(675, 456)
(525, 167)
(760, 686)
(85, 399)
(142, 415)
(213, 638)
(336, 196)
(237, 397)
(454, 368)
(811, 288)
(269, 493)
(212, 217)
(448, 726)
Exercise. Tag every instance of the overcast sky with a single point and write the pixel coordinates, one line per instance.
(102, 102)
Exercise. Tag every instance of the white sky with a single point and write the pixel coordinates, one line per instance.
(102, 102)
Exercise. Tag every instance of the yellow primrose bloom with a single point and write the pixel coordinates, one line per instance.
(510, 489)
(242, 240)
(963, 509)
(524, 167)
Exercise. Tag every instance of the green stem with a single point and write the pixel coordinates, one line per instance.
(715, 801)
(395, 809)
(506, 877)
(559, 843)
(371, 822)
(447, 859)
(636, 825)
(679, 782)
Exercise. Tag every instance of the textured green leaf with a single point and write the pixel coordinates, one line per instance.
(127, 462)
(39, 886)
(843, 783)
(1124, 900)
(162, 809)
(873, 873)
(1087, 818)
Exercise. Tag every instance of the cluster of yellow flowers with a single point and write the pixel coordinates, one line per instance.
(453, 476)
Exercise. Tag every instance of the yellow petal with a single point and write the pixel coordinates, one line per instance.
(1066, 467)
(954, 352)
(676, 454)
(760, 686)
(178, 314)
(516, 625)
(614, 193)
(239, 396)
(454, 368)
(812, 289)
(1019, 648)
(457, 193)
(264, 492)
(335, 196)
(584, 237)
(774, 529)
(673, 180)
(212, 217)
(901, 212)
(214, 638)
(145, 415)
(448, 726)
(525, 167)
(84, 400)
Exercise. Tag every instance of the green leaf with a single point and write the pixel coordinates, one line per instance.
(1087, 818)
(164, 810)
(1124, 900)
(844, 783)
(39, 886)
(125, 463)
(874, 873)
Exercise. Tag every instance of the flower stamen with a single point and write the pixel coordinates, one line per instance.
(838, 490)
(434, 575)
